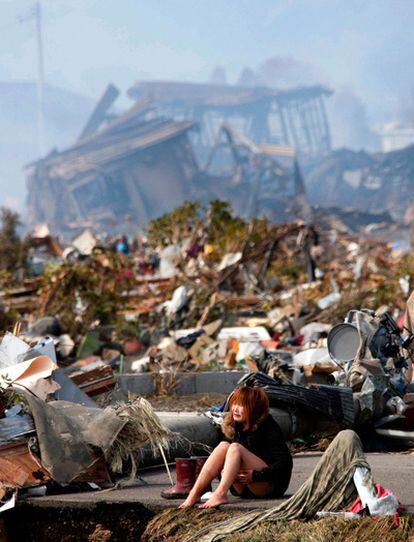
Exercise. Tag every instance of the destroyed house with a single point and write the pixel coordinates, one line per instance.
(259, 180)
(133, 169)
(126, 170)
(295, 117)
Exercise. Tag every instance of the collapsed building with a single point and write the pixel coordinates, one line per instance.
(295, 117)
(141, 164)
(366, 182)
(122, 170)
(258, 179)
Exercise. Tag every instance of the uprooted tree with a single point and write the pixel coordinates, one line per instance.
(87, 292)
(13, 250)
(215, 224)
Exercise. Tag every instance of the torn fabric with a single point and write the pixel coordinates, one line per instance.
(330, 487)
(68, 433)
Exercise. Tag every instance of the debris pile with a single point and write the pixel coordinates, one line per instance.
(366, 182)
(128, 169)
(52, 434)
(313, 314)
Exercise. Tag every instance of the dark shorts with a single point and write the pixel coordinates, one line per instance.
(280, 485)
(248, 494)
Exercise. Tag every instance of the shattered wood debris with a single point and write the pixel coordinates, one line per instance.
(358, 184)
(142, 163)
(51, 432)
(95, 381)
(315, 315)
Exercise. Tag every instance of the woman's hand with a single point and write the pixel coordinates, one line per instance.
(245, 477)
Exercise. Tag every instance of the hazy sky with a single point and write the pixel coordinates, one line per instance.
(365, 45)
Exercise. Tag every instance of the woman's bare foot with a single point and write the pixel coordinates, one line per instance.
(191, 500)
(215, 500)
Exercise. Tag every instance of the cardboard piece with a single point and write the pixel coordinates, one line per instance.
(32, 375)
(12, 349)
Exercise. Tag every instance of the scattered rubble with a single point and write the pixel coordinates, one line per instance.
(314, 315)
(371, 183)
(128, 169)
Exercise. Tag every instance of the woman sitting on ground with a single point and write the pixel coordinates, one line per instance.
(254, 461)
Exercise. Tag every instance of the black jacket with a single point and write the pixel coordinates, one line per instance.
(267, 442)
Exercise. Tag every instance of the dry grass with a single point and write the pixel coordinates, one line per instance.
(142, 427)
(175, 525)
(331, 530)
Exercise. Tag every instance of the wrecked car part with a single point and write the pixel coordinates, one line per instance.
(333, 401)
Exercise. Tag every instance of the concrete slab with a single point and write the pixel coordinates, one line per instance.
(185, 383)
(394, 471)
(141, 383)
(217, 381)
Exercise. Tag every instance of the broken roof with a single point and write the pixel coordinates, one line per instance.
(209, 95)
(123, 137)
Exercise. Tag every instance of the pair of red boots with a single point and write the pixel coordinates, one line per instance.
(187, 471)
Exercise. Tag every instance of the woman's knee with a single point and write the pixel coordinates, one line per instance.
(223, 446)
(235, 447)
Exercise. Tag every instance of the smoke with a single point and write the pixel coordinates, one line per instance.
(218, 76)
(405, 113)
(249, 78)
(286, 71)
(349, 122)
(13, 202)
(280, 72)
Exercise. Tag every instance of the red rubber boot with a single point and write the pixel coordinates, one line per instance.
(199, 461)
(185, 476)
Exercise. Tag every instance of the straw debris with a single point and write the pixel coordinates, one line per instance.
(142, 427)
(331, 530)
(174, 524)
(179, 525)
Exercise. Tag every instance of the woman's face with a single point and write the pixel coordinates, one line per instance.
(238, 413)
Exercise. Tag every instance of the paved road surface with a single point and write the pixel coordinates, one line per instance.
(393, 471)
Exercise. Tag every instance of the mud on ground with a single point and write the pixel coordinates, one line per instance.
(100, 522)
(186, 403)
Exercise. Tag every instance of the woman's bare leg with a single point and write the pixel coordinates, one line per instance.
(237, 458)
(211, 468)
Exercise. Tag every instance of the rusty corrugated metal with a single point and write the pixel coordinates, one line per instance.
(19, 467)
(101, 150)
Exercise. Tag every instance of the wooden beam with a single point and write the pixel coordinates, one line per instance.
(286, 138)
(98, 114)
(325, 124)
(292, 127)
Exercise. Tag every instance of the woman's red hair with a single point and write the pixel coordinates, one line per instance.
(255, 403)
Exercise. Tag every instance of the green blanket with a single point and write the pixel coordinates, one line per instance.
(330, 487)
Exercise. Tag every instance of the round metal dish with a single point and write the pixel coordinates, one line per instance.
(343, 343)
